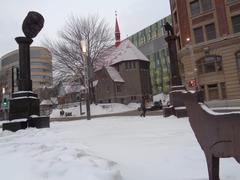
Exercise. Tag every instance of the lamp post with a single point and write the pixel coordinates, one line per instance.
(86, 80)
(190, 47)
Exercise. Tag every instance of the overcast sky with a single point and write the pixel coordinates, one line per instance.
(133, 15)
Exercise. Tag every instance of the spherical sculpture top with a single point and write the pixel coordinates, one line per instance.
(32, 24)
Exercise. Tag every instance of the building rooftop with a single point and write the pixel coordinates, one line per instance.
(126, 51)
(113, 73)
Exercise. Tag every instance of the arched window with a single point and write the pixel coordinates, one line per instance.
(209, 64)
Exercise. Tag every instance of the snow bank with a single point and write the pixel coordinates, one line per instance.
(163, 97)
(51, 154)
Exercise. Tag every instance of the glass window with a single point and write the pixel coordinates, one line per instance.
(126, 65)
(232, 1)
(238, 60)
(10, 60)
(198, 34)
(223, 89)
(195, 8)
(40, 63)
(119, 88)
(209, 67)
(202, 89)
(199, 67)
(213, 91)
(209, 64)
(206, 5)
(236, 23)
(210, 31)
(39, 70)
(134, 64)
(130, 65)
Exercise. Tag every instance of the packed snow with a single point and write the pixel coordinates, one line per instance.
(108, 108)
(108, 148)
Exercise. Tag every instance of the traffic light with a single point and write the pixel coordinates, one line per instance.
(192, 83)
(5, 102)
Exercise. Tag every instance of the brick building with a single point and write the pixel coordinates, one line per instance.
(208, 44)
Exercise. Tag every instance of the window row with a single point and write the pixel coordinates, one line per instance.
(130, 65)
(214, 91)
(210, 33)
(236, 23)
(213, 63)
(41, 64)
(40, 70)
(41, 77)
(198, 6)
(150, 33)
(209, 64)
(210, 30)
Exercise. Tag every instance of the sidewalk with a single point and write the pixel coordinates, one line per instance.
(128, 113)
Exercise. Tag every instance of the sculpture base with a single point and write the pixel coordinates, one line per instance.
(37, 122)
(177, 107)
(14, 126)
(23, 104)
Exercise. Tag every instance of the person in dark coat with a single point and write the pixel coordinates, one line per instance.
(143, 107)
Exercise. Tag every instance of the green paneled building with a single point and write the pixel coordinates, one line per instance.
(152, 44)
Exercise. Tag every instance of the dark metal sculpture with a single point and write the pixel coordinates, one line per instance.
(32, 24)
(25, 103)
(176, 103)
(217, 133)
(171, 41)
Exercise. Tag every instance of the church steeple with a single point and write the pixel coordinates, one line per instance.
(117, 33)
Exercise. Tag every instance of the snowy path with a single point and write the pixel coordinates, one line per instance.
(151, 148)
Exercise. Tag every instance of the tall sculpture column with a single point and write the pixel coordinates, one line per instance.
(24, 82)
(177, 106)
(24, 104)
(175, 75)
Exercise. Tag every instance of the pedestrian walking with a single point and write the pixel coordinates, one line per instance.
(143, 107)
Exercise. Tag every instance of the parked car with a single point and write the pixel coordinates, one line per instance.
(157, 105)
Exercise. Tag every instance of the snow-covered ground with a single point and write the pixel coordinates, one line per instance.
(110, 108)
(112, 148)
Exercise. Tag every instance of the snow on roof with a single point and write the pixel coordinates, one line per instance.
(54, 100)
(46, 102)
(76, 87)
(73, 88)
(126, 51)
(95, 83)
(113, 73)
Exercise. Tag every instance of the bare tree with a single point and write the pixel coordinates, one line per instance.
(68, 62)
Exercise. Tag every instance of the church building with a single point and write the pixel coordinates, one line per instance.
(124, 76)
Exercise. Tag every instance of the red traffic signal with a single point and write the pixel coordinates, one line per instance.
(192, 83)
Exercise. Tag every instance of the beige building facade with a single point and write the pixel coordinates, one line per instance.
(208, 34)
(41, 68)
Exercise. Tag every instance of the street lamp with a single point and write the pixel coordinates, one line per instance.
(190, 47)
(3, 91)
(86, 80)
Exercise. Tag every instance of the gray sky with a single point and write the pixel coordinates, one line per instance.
(133, 15)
